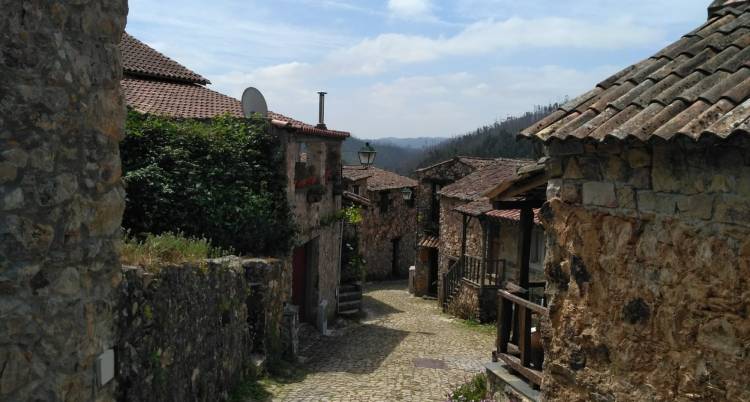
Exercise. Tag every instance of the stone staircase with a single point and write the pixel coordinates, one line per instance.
(349, 299)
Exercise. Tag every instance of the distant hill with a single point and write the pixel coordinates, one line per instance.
(495, 140)
(414, 143)
(399, 159)
(404, 155)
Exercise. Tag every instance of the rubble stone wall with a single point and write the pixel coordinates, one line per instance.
(61, 198)
(648, 266)
(377, 231)
(187, 333)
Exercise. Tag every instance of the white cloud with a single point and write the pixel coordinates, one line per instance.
(387, 51)
(410, 8)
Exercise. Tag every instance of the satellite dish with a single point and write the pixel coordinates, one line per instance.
(254, 102)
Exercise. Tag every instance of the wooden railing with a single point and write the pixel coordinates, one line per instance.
(451, 282)
(484, 272)
(517, 346)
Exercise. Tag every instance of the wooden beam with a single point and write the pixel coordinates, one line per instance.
(505, 322)
(522, 302)
(524, 246)
(515, 364)
(485, 254)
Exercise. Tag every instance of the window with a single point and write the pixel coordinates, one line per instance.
(355, 190)
(384, 202)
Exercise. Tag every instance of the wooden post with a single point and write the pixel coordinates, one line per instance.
(463, 244)
(505, 320)
(524, 247)
(485, 254)
(524, 329)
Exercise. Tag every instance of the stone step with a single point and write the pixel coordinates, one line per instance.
(349, 289)
(349, 312)
(349, 296)
(349, 304)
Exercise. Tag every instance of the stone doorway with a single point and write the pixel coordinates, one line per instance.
(432, 273)
(396, 243)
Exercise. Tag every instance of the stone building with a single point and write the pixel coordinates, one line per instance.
(479, 245)
(648, 223)
(387, 234)
(431, 180)
(61, 198)
(155, 84)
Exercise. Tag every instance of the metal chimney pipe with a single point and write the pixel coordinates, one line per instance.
(322, 110)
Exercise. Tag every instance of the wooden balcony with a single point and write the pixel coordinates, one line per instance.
(517, 345)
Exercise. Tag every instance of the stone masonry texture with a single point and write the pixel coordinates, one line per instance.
(61, 199)
(648, 279)
(187, 333)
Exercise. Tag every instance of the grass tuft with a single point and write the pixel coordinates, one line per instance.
(473, 391)
(155, 251)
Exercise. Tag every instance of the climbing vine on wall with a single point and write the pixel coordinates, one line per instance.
(220, 179)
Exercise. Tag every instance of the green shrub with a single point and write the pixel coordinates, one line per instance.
(473, 391)
(221, 179)
(168, 248)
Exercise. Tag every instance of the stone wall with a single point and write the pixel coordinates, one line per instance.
(61, 199)
(648, 261)
(377, 231)
(187, 333)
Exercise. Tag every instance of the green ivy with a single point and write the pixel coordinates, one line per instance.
(221, 179)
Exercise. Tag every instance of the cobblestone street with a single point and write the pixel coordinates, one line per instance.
(405, 349)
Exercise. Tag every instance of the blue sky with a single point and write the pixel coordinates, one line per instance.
(409, 68)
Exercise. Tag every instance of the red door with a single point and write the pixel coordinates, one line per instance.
(299, 270)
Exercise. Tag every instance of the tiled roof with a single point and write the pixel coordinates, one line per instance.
(174, 99)
(155, 84)
(474, 162)
(429, 242)
(511, 215)
(378, 179)
(697, 86)
(283, 121)
(477, 184)
(475, 208)
(142, 60)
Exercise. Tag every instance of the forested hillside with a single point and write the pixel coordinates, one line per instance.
(401, 160)
(495, 140)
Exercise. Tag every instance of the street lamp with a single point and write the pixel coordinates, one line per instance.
(407, 193)
(367, 155)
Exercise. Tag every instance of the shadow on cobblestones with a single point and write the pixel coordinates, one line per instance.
(382, 357)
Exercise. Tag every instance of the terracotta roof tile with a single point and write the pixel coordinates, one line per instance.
(378, 179)
(688, 89)
(429, 242)
(511, 215)
(142, 60)
(155, 84)
(182, 100)
(478, 183)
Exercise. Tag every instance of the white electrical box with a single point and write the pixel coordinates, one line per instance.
(105, 367)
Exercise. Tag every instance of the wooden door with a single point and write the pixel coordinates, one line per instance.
(299, 279)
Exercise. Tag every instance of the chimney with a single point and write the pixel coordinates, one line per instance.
(322, 111)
